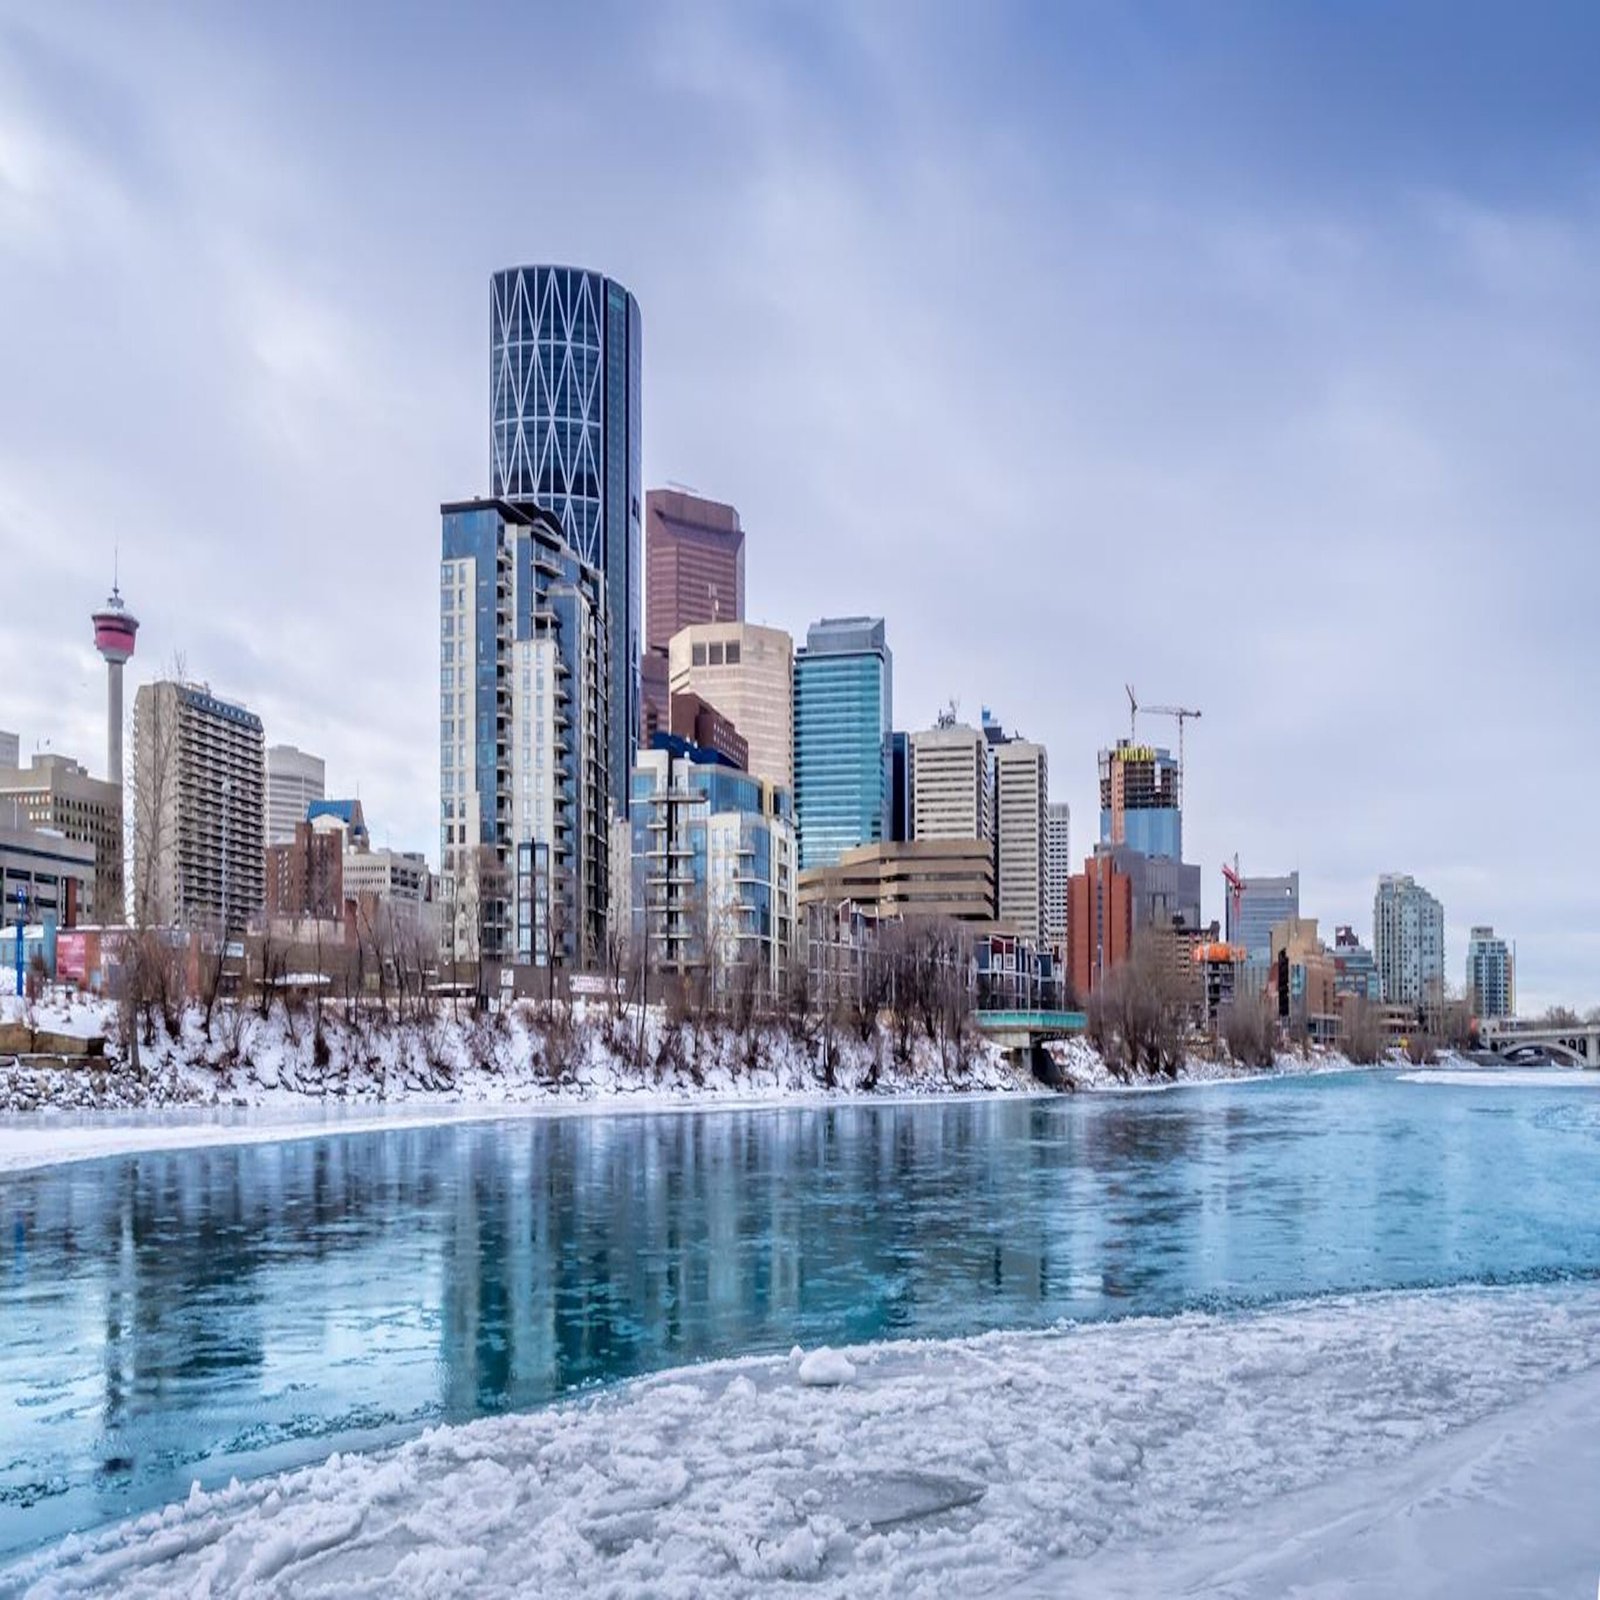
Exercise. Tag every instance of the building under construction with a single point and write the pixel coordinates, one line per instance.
(1139, 799)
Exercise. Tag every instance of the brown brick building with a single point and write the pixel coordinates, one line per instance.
(306, 878)
(693, 564)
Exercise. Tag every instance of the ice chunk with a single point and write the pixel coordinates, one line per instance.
(826, 1369)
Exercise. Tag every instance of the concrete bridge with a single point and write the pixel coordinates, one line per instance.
(1511, 1037)
(1024, 1034)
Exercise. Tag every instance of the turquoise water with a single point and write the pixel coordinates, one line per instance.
(237, 1310)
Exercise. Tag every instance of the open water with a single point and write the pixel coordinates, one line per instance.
(236, 1310)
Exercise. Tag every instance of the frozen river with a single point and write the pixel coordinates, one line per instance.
(213, 1312)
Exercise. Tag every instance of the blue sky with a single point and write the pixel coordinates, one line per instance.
(1245, 352)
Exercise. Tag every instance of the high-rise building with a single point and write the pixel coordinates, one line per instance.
(902, 788)
(294, 780)
(564, 435)
(523, 817)
(713, 864)
(1099, 921)
(950, 783)
(1021, 801)
(10, 749)
(1057, 869)
(655, 695)
(1491, 975)
(1139, 804)
(199, 805)
(57, 794)
(693, 564)
(843, 718)
(115, 631)
(747, 673)
(1263, 902)
(1408, 941)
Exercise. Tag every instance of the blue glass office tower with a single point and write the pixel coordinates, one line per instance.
(843, 715)
(564, 433)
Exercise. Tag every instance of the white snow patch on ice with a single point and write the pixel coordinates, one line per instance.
(1148, 1451)
(825, 1368)
(1507, 1077)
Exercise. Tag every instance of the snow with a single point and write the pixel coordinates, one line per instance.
(826, 1369)
(1508, 1077)
(1447, 1437)
(248, 1079)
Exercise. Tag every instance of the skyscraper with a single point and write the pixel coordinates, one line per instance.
(1021, 800)
(294, 780)
(1408, 941)
(564, 434)
(1263, 902)
(1057, 869)
(199, 835)
(747, 673)
(1139, 800)
(1491, 975)
(522, 795)
(693, 564)
(843, 718)
(950, 782)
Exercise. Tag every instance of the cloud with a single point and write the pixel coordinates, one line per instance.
(1082, 351)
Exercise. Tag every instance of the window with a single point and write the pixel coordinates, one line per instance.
(733, 653)
(716, 655)
(697, 655)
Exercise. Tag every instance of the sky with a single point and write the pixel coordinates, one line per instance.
(1246, 353)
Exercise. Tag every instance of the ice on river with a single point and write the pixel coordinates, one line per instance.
(1424, 1432)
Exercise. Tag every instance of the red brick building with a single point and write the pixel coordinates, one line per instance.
(306, 878)
(1099, 922)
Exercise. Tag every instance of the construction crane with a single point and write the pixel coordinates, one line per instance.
(1183, 714)
(1235, 884)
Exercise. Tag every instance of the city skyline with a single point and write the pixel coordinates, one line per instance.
(1344, 506)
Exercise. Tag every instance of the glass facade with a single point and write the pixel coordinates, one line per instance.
(712, 863)
(843, 710)
(521, 706)
(564, 433)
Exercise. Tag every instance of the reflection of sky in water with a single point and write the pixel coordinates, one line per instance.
(236, 1310)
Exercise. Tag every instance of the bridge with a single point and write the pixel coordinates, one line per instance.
(1024, 1034)
(1577, 1044)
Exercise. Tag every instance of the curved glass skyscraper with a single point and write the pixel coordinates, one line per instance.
(564, 434)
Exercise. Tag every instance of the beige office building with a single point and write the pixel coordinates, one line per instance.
(747, 673)
(58, 795)
(944, 878)
(1022, 790)
(949, 783)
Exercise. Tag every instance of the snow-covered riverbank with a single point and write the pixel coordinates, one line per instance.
(1448, 1436)
(443, 1067)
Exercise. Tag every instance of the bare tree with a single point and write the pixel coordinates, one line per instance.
(1249, 1029)
(1362, 1037)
